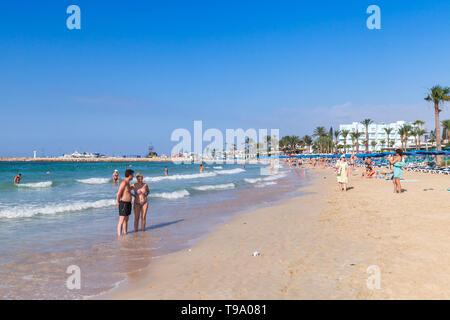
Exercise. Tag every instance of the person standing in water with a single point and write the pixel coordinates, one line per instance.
(166, 171)
(342, 173)
(115, 176)
(201, 168)
(123, 202)
(141, 192)
(17, 178)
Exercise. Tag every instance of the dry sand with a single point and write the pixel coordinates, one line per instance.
(318, 246)
(107, 159)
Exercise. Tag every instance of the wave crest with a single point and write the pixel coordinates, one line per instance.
(30, 211)
(43, 184)
(180, 177)
(230, 171)
(94, 180)
(216, 187)
(171, 195)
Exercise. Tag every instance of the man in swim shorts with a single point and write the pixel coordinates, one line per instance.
(17, 178)
(123, 202)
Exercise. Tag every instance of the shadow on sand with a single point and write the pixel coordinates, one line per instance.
(162, 225)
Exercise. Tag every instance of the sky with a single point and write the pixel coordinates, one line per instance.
(138, 70)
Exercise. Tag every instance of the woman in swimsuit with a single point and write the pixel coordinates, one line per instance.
(141, 192)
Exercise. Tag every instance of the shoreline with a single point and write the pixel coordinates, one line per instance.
(108, 159)
(317, 246)
(132, 288)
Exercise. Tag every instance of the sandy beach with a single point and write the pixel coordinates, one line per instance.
(318, 246)
(107, 159)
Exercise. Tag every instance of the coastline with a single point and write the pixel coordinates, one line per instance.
(316, 246)
(108, 159)
(183, 270)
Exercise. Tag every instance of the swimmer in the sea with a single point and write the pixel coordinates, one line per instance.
(115, 176)
(17, 178)
(166, 171)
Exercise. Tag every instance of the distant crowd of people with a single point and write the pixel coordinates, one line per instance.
(345, 166)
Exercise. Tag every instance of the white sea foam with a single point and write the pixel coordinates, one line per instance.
(250, 180)
(171, 195)
(180, 177)
(94, 180)
(274, 177)
(231, 171)
(43, 184)
(216, 187)
(265, 184)
(218, 167)
(30, 211)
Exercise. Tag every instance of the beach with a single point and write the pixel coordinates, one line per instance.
(63, 214)
(323, 244)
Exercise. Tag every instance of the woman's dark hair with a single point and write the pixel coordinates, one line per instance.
(128, 173)
(399, 152)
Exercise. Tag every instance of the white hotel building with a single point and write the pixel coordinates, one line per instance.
(377, 134)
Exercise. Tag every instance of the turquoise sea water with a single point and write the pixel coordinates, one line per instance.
(63, 214)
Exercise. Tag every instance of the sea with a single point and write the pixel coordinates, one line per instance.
(62, 217)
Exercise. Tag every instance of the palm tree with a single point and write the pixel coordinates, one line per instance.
(307, 140)
(233, 149)
(366, 123)
(420, 133)
(415, 133)
(344, 134)
(418, 123)
(268, 144)
(290, 143)
(404, 132)
(446, 127)
(355, 139)
(319, 132)
(388, 132)
(373, 144)
(336, 136)
(323, 144)
(382, 142)
(401, 132)
(438, 95)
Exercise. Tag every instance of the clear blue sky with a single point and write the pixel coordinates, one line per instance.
(137, 70)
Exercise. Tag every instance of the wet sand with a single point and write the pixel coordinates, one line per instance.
(107, 159)
(318, 246)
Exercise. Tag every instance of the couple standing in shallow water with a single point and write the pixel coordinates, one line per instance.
(124, 198)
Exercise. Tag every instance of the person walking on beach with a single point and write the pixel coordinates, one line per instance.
(397, 163)
(352, 162)
(17, 178)
(342, 173)
(123, 202)
(115, 176)
(141, 192)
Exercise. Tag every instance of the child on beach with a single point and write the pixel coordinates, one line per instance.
(397, 163)
(123, 202)
(342, 173)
